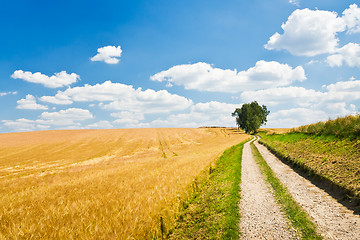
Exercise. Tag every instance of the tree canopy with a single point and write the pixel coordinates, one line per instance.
(250, 116)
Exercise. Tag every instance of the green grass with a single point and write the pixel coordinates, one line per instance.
(299, 218)
(345, 127)
(213, 212)
(332, 158)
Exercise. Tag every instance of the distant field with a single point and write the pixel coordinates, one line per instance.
(101, 183)
(275, 130)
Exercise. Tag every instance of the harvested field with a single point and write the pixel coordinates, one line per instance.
(101, 183)
(275, 130)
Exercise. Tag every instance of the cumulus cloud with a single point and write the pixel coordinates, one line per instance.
(344, 90)
(127, 117)
(65, 117)
(100, 125)
(59, 98)
(284, 95)
(313, 32)
(20, 125)
(351, 17)
(201, 114)
(308, 33)
(108, 54)
(336, 94)
(57, 80)
(295, 117)
(350, 54)
(308, 105)
(122, 97)
(339, 109)
(204, 77)
(29, 102)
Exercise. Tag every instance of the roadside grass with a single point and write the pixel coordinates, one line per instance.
(330, 158)
(346, 127)
(299, 218)
(213, 212)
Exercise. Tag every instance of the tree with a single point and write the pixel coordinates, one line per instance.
(250, 116)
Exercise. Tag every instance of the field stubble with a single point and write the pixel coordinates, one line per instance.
(101, 183)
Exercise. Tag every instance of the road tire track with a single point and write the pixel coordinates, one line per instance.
(261, 217)
(334, 221)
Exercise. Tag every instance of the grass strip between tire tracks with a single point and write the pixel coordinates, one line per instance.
(213, 212)
(298, 217)
(327, 160)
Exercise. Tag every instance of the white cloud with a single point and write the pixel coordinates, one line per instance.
(108, 54)
(335, 60)
(7, 93)
(201, 114)
(351, 17)
(203, 77)
(127, 117)
(150, 101)
(336, 93)
(313, 62)
(57, 80)
(20, 125)
(30, 103)
(350, 54)
(59, 98)
(295, 2)
(100, 125)
(66, 117)
(295, 117)
(345, 90)
(308, 33)
(285, 95)
(308, 105)
(214, 107)
(106, 91)
(23, 125)
(126, 122)
(338, 109)
(122, 98)
(301, 116)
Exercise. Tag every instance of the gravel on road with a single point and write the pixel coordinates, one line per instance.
(261, 217)
(334, 221)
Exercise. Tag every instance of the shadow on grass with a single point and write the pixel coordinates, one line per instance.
(344, 196)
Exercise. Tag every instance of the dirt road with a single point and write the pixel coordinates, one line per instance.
(333, 220)
(261, 217)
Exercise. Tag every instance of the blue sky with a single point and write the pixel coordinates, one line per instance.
(128, 64)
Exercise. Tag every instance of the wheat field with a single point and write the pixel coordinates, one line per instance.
(101, 184)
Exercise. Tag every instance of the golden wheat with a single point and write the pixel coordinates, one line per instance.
(101, 184)
(275, 130)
